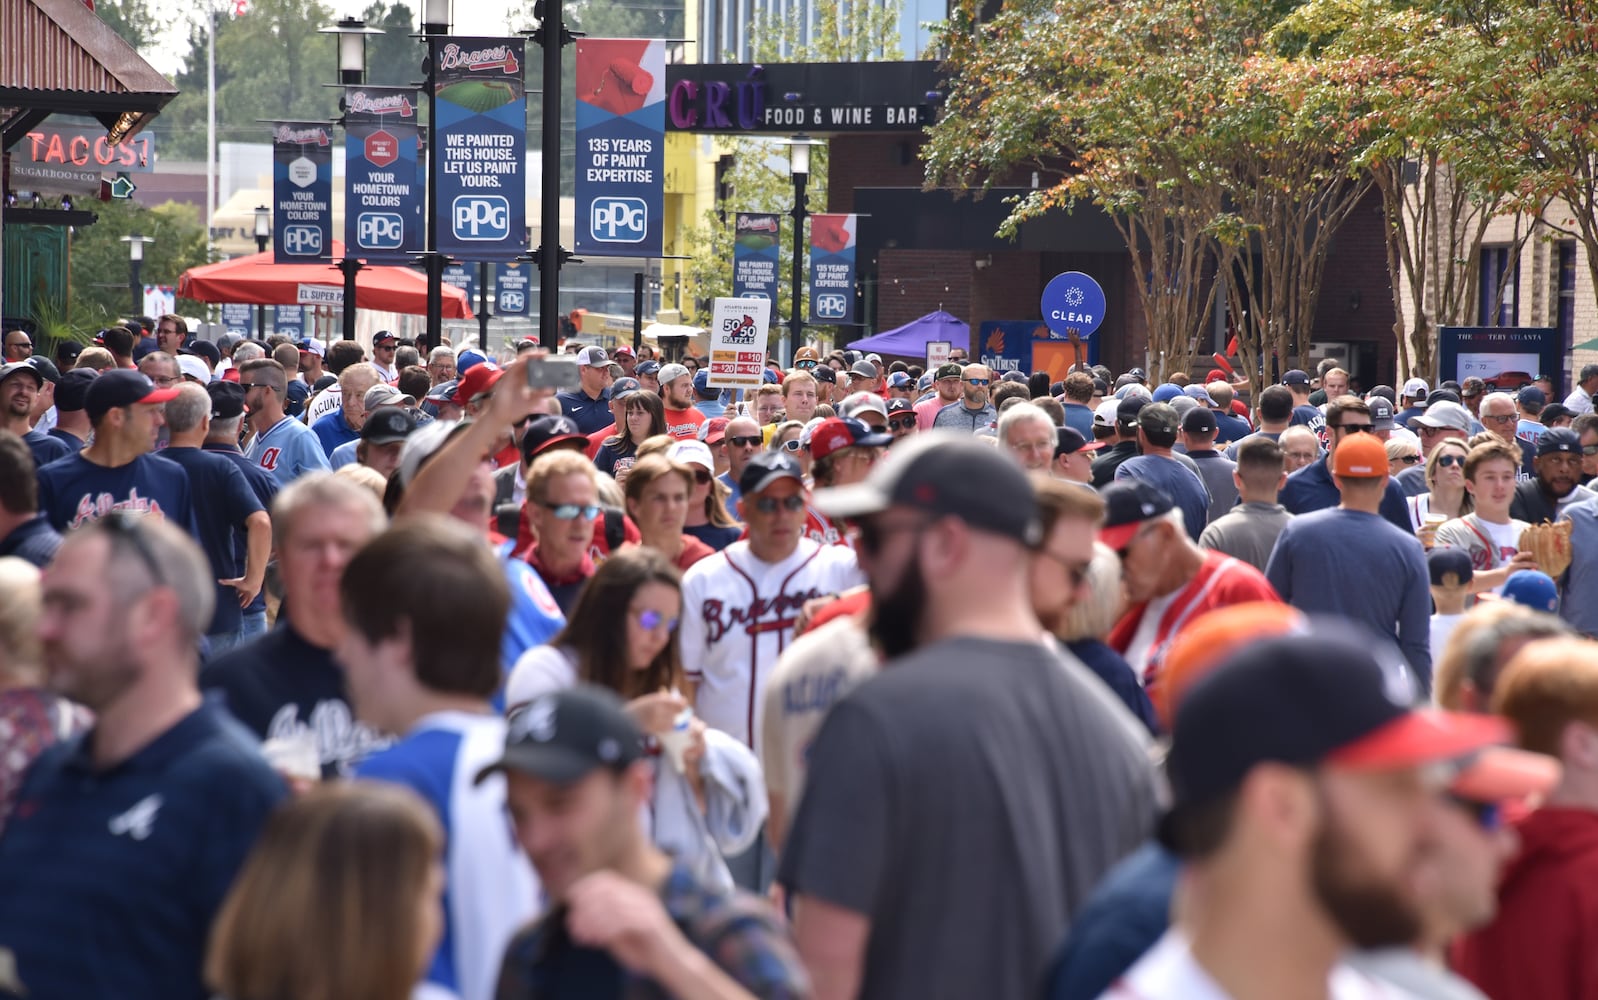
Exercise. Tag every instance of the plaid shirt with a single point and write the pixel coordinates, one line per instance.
(737, 931)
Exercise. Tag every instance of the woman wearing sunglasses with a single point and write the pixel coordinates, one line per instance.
(657, 494)
(643, 418)
(785, 436)
(708, 518)
(622, 635)
(1402, 453)
(1447, 499)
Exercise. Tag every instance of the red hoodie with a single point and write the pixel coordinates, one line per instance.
(1543, 945)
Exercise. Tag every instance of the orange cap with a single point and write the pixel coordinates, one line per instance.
(1211, 638)
(1360, 456)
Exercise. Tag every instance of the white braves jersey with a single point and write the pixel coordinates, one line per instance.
(738, 617)
(327, 401)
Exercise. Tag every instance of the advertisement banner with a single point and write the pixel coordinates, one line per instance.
(510, 288)
(289, 321)
(738, 330)
(87, 147)
(756, 239)
(621, 146)
(832, 242)
(302, 192)
(464, 277)
(1505, 357)
(1072, 303)
(1006, 345)
(160, 300)
(238, 319)
(481, 147)
(320, 295)
(383, 196)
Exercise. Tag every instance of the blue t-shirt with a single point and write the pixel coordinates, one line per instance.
(592, 415)
(333, 430)
(734, 494)
(73, 491)
(265, 487)
(534, 616)
(113, 876)
(716, 538)
(1080, 418)
(225, 501)
(344, 455)
(44, 448)
(1178, 482)
(33, 541)
(1230, 427)
(1311, 417)
(288, 450)
(1312, 488)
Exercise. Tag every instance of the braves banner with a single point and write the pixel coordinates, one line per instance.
(756, 237)
(481, 147)
(510, 288)
(621, 146)
(302, 192)
(383, 199)
(832, 240)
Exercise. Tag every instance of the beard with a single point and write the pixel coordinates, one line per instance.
(95, 681)
(1370, 912)
(896, 613)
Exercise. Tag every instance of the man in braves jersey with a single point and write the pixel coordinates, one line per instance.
(1169, 580)
(278, 443)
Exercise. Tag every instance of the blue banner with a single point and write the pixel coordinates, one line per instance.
(757, 237)
(481, 147)
(832, 269)
(464, 277)
(510, 288)
(621, 146)
(383, 203)
(239, 319)
(1006, 346)
(289, 321)
(302, 192)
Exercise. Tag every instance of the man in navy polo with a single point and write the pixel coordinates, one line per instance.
(125, 839)
(588, 404)
(1313, 488)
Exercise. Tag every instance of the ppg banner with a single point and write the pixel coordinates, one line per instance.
(239, 319)
(621, 147)
(756, 237)
(832, 268)
(289, 321)
(510, 288)
(383, 200)
(302, 192)
(464, 277)
(481, 148)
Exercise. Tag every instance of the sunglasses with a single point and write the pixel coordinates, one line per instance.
(977, 381)
(1589, 449)
(1121, 553)
(770, 505)
(649, 620)
(701, 476)
(1487, 815)
(745, 440)
(572, 511)
(907, 424)
(791, 445)
(1449, 461)
(1409, 459)
(1356, 428)
(804, 365)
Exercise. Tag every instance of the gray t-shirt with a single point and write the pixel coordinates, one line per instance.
(1216, 471)
(966, 800)
(1248, 532)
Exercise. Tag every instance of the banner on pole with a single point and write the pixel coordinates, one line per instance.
(481, 146)
(738, 333)
(302, 192)
(383, 198)
(510, 288)
(832, 268)
(160, 300)
(756, 239)
(464, 277)
(239, 319)
(621, 146)
(289, 321)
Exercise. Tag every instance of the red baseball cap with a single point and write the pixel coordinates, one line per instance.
(837, 433)
(478, 380)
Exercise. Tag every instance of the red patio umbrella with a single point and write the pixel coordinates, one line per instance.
(255, 280)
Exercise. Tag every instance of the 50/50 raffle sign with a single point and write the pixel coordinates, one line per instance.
(481, 147)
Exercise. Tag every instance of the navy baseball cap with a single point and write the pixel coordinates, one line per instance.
(388, 425)
(384, 337)
(1531, 396)
(564, 736)
(1069, 441)
(1128, 505)
(646, 368)
(1554, 440)
(118, 388)
(1296, 376)
(1126, 413)
(622, 387)
(203, 349)
(1198, 420)
(766, 468)
(825, 373)
(21, 367)
(1445, 561)
(945, 474)
(544, 433)
(227, 399)
(73, 389)
(45, 367)
(837, 433)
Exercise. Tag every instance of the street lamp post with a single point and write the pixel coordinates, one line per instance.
(263, 232)
(351, 32)
(435, 21)
(135, 266)
(550, 255)
(799, 170)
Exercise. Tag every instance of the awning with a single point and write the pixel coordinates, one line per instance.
(911, 340)
(255, 280)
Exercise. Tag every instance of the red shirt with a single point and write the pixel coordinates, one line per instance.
(597, 439)
(684, 424)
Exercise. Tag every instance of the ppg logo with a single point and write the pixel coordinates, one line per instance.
(379, 230)
(619, 220)
(302, 241)
(481, 217)
(831, 306)
(512, 301)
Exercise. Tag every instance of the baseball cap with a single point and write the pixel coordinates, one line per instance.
(117, 388)
(227, 399)
(806, 354)
(1183, 404)
(1014, 376)
(1199, 393)
(1139, 374)
(1166, 391)
(17, 367)
(1381, 412)
(1105, 415)
(945, 474)
(1134, 389)
(1215, 375)
(825, 373)
(862, 402)
(383, 394)
(480, 379)
(766, 468)
(1361, 456)
(874, 357)
(900, 406)
(74, 387)
(1445, 561)
(712, 431)
(204, 349)
(1158, 418)
(68, 351)
(1333, 695)
(624, 351)
(622, 387)
(1069, 441)
(948, 370)
(310, 345)
(1531, 396)
(1416, 388)
(1444, 415)
(465, 361)
(863, 369)
(1555, 411)
(327, 381)
(565, 735)
(1198, 420)
(384, 337)
(443, 391)
(693, 453)
(1128, 504)
(45, 367)
(900, 380)
(646, 368)
(195, 368)
(672, 372)
(544, 433)
(1554, 440)
(1209, 639)
(837, 433)
(1295, 376)
(593, 357)
(388, 424)
(1384, 391)
(1127, 410)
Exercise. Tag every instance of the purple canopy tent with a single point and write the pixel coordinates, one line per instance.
(910, 340)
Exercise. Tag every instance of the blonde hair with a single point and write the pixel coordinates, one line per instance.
(650, 468)
(21, 601)
(553, 465)
(1093, 617)
(97, 358)
(364, 475)
(327, 896)
(657, 444)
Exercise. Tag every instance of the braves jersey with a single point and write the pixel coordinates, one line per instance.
(74, 491)
(288, 450)
(534, 616)
(738, 617)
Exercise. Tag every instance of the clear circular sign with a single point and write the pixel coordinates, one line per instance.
(1072, 303)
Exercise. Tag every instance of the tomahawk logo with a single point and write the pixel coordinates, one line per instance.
(138, 821)
(739, 329)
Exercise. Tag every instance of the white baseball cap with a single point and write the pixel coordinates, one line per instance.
(692, 453)
(1104, 416)
(1416, 388)
(195, 368)
(861, 402)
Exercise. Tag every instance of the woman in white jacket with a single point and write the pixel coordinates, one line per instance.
(710, 799)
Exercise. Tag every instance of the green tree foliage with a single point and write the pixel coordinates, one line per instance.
(132, 19)
(99, 292)
(394, 58)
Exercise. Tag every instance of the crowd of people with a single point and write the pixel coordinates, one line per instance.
(330, 671)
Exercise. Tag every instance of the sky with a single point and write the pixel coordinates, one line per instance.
(472, 17)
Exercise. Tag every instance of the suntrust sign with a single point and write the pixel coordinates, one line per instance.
(814, 97)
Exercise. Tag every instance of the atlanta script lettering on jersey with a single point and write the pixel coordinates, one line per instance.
(95, 507)
(721, 619)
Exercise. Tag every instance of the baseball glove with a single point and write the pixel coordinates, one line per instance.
(1550, 543)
